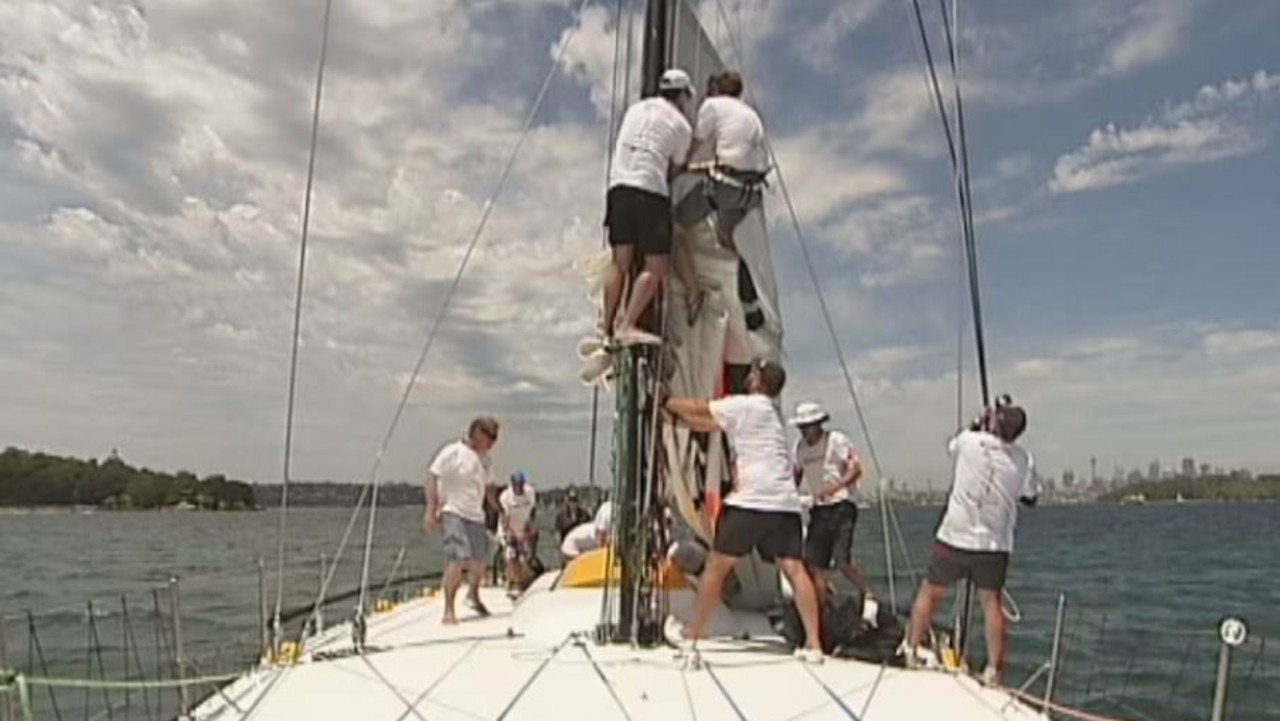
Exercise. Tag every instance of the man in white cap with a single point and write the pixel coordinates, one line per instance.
(653, 145)
(828, 469)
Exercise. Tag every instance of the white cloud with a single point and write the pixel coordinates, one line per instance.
(822, 45)
(591, 53)
(1037, 367)
(826, 176)
(1124, 399)
(898, 239)
(898, 114)
(150, 255)
(1215, 125)
(1153, 32)
(1240, 342)
(188, 182)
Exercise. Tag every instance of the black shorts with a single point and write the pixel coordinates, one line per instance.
(830, 538)
(776, 534)
(986, 569)
(640, 218)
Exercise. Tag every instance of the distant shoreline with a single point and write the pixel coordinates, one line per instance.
(93, 510)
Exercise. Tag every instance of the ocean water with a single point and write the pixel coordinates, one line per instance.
(1146, 587)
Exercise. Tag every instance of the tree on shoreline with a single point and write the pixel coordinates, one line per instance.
(1205, 488)
(40, 479)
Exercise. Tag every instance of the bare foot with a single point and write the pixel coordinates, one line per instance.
(449, 620)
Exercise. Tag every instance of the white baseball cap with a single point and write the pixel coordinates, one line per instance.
(808, 413)
(676, 79)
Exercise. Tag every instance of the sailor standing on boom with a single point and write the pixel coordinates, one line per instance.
(653, 143)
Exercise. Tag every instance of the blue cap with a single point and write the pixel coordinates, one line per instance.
(518, 477)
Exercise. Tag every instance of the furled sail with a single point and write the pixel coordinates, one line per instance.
(707, 354)
(739, 321)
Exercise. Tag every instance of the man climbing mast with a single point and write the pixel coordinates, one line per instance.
(653, 144)
(731, 132)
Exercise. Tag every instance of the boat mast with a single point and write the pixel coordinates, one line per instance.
(655, 51)
(636, 504)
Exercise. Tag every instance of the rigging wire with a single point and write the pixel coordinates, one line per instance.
(960, 272)
(297, 318)
(445, 305)
(610, 139)
(957, 151)
(970, 235)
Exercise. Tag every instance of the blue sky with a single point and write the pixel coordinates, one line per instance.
(1125, 172)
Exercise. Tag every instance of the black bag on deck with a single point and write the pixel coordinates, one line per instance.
(845, 634)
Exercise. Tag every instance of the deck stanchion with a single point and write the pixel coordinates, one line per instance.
(264, 641)
(317, 613)
(179, 657)
(1054, 655)
(1232, 632)
(7, 677)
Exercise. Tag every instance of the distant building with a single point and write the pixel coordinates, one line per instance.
(1205, 470)
(1153, 470)
(1135, 476)
(1189, 467)
(1068, 478)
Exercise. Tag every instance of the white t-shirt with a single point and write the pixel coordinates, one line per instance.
(518, 507)
(580, 540)
(824, 464)
(765, 480)
(990, 477)
(654, 134)
(463, 475)
(604, 517)
(734, 133)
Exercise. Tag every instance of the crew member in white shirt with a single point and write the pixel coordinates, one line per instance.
(762, 512)
(519, 503)
(828, 470)
(588, 536)
(455, 490)
(653, 144)
(731, 132)
(992, 476)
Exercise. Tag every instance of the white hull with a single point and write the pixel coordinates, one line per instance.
(536, 660)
